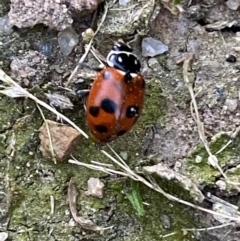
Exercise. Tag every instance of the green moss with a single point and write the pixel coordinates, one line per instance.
(155, 105)
(203, 172)
(34, 180)
(4, 7)
(2, 146)
(176, 1)
(152, 226)
(10, 110)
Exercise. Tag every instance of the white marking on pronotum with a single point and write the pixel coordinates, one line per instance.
(120, 52)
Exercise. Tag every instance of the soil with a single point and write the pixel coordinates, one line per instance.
(34, 201)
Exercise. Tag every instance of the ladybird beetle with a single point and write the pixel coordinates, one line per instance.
(116, 97)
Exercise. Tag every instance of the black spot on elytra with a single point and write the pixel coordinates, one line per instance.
(127, 77)
(120, 133)
(143, 84)
(132, 111)
(94, 110)
(101, 128)
(107, 75)
(109, 106)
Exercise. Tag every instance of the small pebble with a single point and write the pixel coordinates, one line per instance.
(95, 187)
(72, 223)
(79, 80)
(225, 209)
(154, 64)
(3, 236)
(177, 167)
(5, 26)
(30, 69)
(198, 159)
(56, 14)
(221, 184)
(231, 104)
(152, 47)
(82, 93)
(220, 90)
(64, 139)
(233, 4)
(45, 48)
(124, 2)
(231, 58)
(165, 221)
(67, 40)
(124, 155)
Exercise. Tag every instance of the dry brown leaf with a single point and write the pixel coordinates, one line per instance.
(60, 101)
(72, 199)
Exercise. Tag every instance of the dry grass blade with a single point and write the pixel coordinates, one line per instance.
(52, 206)
(167, 235)
(209, 228)
(88, 47)
(15, 90)
(97, 167)
(119, 158)
(49, 135)
(98, 56)
(72, 199)
(151, 184)
(101, 164)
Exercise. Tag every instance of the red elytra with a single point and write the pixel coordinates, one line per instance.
(116, 97)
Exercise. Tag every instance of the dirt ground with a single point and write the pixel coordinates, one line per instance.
(34, 201)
